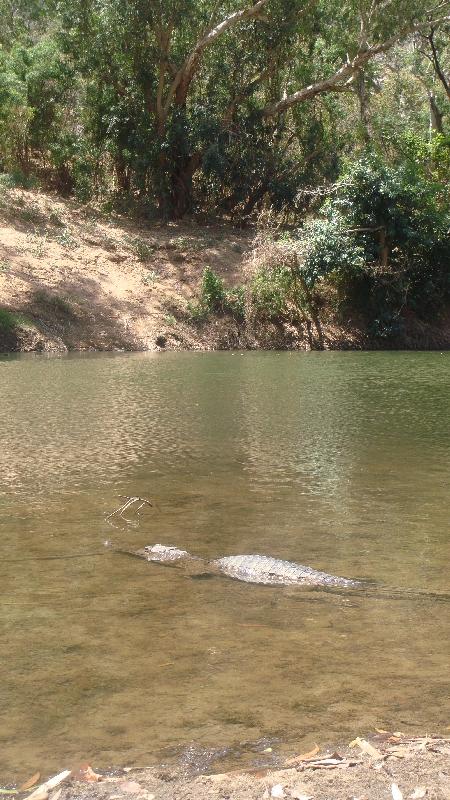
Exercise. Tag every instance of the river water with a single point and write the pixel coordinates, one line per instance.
(336, 460)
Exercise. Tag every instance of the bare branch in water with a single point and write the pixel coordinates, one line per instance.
(129, 501)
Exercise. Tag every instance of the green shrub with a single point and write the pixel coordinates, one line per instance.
(214, 298)
(143, 250)
(383, 240)
(270, 289)
(8, 321)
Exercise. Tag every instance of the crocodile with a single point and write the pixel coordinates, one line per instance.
(249, 568)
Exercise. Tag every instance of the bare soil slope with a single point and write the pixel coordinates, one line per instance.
(72, 278)
(81, 280)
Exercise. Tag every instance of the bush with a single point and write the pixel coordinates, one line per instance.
(383, 239)
(216, 299)
(8, 321)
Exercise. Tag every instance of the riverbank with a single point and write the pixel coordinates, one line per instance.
(392, 766)
(72, 278)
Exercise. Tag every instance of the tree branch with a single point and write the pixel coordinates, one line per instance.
(435, 61)
(346, 71)
(182, 81)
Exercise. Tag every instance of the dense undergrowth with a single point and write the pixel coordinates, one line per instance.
(378, 248)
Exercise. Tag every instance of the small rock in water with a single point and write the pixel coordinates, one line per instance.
(277, 791)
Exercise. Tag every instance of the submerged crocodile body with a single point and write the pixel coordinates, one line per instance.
(249, 568)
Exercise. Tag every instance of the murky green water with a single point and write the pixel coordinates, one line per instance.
(338, 460)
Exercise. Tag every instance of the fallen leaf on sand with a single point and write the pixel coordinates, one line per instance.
(396, 793)
(380, 730)
(418, 793)
(86, 774)
(304, 756)
(30, 782)
(366, 747)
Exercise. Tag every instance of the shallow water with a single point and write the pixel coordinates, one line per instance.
(337, 460)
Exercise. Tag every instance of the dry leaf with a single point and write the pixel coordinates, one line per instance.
(86, 774)
(396, 793)
(380, 730)
(366, 747)
(304, 756)
(418, 793)
(30, 782)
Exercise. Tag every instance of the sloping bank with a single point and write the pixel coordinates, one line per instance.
(72, 278)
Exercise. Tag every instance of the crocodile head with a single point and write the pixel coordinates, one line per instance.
(161, 552)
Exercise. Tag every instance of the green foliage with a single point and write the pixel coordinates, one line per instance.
(384, 241)
(8, 321)
(214, 298)
(88, 105)
(329, 249)
(270, 289)
(143, 250)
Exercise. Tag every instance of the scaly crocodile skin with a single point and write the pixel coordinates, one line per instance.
(252, 568)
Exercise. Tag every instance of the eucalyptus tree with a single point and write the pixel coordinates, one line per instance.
(197, 98)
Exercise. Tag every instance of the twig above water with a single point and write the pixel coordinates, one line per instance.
(129, 501)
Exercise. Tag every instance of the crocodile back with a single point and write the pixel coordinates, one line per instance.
(275, 571)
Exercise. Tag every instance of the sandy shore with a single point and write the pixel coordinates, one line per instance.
(389, 766)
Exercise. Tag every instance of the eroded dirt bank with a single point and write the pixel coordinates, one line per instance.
(74, 279)
(390, 766)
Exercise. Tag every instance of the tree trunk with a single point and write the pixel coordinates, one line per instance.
(384, 248)
(181, 200)
(363, 98)
(435, 115)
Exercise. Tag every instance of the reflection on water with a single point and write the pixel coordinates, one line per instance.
(340, 461)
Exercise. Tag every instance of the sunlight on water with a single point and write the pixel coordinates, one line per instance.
(337, 460)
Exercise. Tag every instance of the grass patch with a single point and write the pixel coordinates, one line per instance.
(54, 302)
(142, 249)
(10, 320)
(150, 278)
(36, 245)
(66, 240)
(183, 243)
